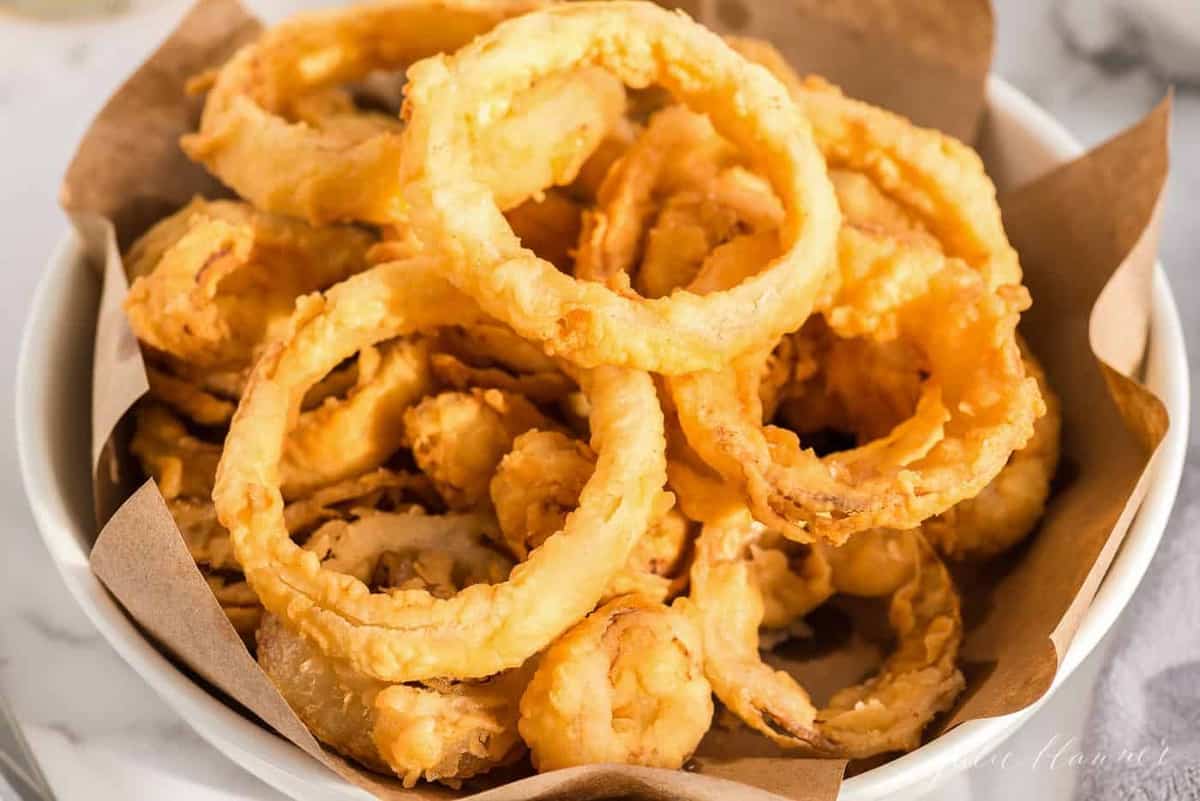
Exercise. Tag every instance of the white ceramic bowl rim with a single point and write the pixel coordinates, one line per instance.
(63, 515)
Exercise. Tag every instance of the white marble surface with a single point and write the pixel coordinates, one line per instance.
(98, 729)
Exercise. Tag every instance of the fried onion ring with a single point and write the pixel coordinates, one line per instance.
(676, 195)
(625, 686)
(180, 463)
(976, 408)
(192, 401)
(727, 605)
(918, 680)
(493, 357)
(538, 484)
(937, 178)
(887, 712)
(254, 137)
(411, 635)
(446, 732)
(217, 279)
(458, 438)
(346, 436)
(449, 101)
(1008, 508)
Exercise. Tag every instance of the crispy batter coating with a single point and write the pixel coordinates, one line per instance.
(626, 685)
(218, 279)
(658, 567)
(179, 462)
(939, 180)
(871, 564)
(491, 344)
(537, 485)
(675, 282)
(549, 226)
(545, 387)
(441, 731)
(903, 272)
(458, 438)
(341, 438)
(362, 495)
(411, 635)
(887, 712)
(919, 679)
(450, 731)
(380, 490)
(491, 356)
(678, 150)
(728, 606)
(586, 321)
(791, 580)
(977, 406)
(345, 436)
(265, 134)
(211, 547)
(1007, 509)
(439, 553)
(866, 388)
(188, 399)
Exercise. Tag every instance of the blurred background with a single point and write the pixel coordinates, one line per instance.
(1095, 65)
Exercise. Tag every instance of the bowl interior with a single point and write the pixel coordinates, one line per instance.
(1018, 142)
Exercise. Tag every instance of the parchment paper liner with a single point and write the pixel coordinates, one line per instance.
(1087, 263)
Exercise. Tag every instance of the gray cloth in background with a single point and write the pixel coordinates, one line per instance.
(1147, 697)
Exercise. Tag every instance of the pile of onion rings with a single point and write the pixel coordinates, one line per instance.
(530, 413)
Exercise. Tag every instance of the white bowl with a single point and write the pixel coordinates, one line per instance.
(1020, 142)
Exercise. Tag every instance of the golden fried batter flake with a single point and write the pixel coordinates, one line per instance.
(626, 685)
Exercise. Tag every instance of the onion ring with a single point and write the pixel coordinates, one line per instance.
(728, 608)
(538, 484)
(190, 400)
(932, 174)
(625, 686)
(346, 436)
(458, 439)
(248, 141)
(920, 677)
(180, 463)
(976, 409)
(356, 497)
(493, 357)
(871, 564)
(339, 439)
(441, 731)
(887, 712)
(447, 732)
(459, 542)
(214, 281)
(1008, 508)
(707, 199)
(547, 387)
(449, 101)
(411, 635)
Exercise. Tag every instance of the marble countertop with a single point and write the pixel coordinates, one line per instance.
(99, 730)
